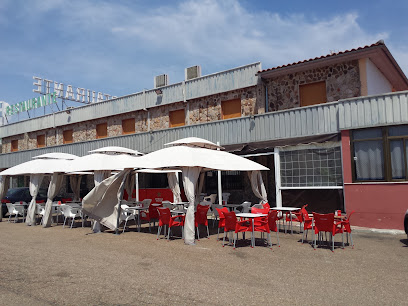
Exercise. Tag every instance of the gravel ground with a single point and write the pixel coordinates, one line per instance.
(62, 266)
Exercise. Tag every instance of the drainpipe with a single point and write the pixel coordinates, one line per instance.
(266, 95)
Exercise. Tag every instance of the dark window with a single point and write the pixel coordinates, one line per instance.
(230, 180)
(380, 154)
(311, 167)
(153, 180)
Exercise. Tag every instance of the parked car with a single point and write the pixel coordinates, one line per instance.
(406, 223)
(21, 194)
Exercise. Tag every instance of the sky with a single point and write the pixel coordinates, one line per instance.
(117, 47)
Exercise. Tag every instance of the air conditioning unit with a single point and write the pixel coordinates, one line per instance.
(161, 80)
(192, 72)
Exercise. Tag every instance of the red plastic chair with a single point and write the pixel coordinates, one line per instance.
(268, 225)
(347, 228)
(65, 200)
(307, 222)
(256, 210)
(201, 219)
(165, 218)
(325, 223)
(221, 220)
(233, 225)
(151, 215)
(296, 216)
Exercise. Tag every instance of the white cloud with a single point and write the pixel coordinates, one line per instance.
(124, 44)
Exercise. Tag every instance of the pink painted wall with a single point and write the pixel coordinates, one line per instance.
(377, 205)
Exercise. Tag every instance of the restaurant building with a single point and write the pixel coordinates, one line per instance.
(332, 130)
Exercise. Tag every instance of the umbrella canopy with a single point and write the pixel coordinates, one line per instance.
(102, 162)
(116, 150)
(56, 155)
(186, 156)
(195, 141)
(42, 164)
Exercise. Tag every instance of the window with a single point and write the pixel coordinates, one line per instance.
(102, 130)
(128, 126)
(177, 118)
(67, 136)
(230, 180)
(380, 154)
(14, 145)
(40, 141)
(313, 93)
(231, 109)
(311, 167)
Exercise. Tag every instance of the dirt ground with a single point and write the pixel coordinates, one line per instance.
(62, 266)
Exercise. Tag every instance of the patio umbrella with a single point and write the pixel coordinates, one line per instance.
(102, 161)
(49, 163)
(193, 156)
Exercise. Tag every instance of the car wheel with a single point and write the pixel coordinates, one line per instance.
(406, 223)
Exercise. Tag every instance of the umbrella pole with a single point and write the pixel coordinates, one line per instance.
(219, 182)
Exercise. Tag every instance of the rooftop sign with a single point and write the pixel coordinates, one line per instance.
(69, 92)
(31, 104)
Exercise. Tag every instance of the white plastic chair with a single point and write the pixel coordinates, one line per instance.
(70, 212)
(40, 211)
(15, 210)
(167, 204)
(225, 197)
(215, 212)
(246, 205)
(126, 215)
(146, 202)
(211, 198)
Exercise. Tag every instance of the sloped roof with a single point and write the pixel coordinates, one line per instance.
(377, 52)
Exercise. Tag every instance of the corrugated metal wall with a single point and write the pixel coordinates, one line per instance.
(320, 119)
(374, 111)
(236, 78)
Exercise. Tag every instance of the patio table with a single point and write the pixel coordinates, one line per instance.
(287, 209)
(178, 211)
(139, 209)
(251, 216)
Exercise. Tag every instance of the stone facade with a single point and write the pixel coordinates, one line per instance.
(200, 110)
(342, 82)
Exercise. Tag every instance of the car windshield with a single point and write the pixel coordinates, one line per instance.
(42, 193)
(13, 191)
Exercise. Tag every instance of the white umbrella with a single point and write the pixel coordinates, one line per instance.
(49, 163)
(116, 150)
(186, 156)
(102, 162)
(42, 164)
(192, 156)
(195, 141)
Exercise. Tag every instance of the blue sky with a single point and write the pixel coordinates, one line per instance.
(117, 47)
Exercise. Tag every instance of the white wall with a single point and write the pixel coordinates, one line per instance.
(376, 81)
